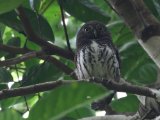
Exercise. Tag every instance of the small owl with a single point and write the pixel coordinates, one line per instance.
(96, 55)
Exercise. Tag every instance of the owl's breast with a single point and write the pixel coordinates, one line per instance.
(97, 61)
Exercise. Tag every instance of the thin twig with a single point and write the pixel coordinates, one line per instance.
(20, 83)
(65, 28)
(17, 60)
(13, 50)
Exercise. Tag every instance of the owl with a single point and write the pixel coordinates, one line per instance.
(96, 55)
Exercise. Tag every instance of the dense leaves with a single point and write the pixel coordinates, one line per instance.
(68, 102)
(88, 10)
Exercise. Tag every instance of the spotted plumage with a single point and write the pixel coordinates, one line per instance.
(96, 55)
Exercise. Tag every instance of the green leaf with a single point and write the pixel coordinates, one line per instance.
(41, 73)
(8, 5)
(3, 86)
(5, 76)
(147, 74)
(64, 100)
(6, 103)
(35, 4)
(14, 41)
(10, 19)
(79, 113)
(52, 11)
(84, 10)
(126, 104)
(39, 24)
(10, 115)
(121, 34)
(134, 58)
(153, 5)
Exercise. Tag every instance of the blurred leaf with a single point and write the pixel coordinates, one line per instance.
(8, 5)
(3, 86)
(10, 115)
(41, 73)
(52, 11)
(5, 76)
(2, 29)
(6, 103)
(120, 33)
(10, 19)
(157, 6)
(14, 41)
(45, 4)
(147, 74)
(153, 5)
(133, 58)
(84, 10)
(65, 99)
(40, 26)
(35, 4)
(126, 104)
(79, 113)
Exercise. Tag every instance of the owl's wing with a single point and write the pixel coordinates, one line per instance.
(118, 56)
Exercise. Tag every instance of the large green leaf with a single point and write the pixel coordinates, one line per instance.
(41, 73)
(121, 34)
(57, 103)
(53, 11)
(153, 5)
(84, 10)
(5, 76)
(134, 62)
(126, 104)
(14, 41)
(79, 113)
(8, 5)
(10, 115)
(10, 19)
(39, 24)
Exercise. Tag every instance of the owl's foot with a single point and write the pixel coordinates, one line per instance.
(103, 104)
(98, 105)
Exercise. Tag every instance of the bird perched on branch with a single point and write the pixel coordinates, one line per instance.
(96, 55)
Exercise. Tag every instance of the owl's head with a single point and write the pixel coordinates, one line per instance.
(90, 31)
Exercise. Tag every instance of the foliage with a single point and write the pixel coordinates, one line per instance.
(68, 101)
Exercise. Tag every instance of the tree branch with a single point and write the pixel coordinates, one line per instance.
(50, 48)
(17, 60)
(13, 50)
(33, 54)
(65, 28)
(149, 36)
(111, 85)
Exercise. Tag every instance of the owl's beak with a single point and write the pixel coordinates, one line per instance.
(95, 33)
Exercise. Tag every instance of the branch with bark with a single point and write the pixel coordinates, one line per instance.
(111, 85)
(142, 23)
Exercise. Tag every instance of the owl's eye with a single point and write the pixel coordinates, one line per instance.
(87, 29)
